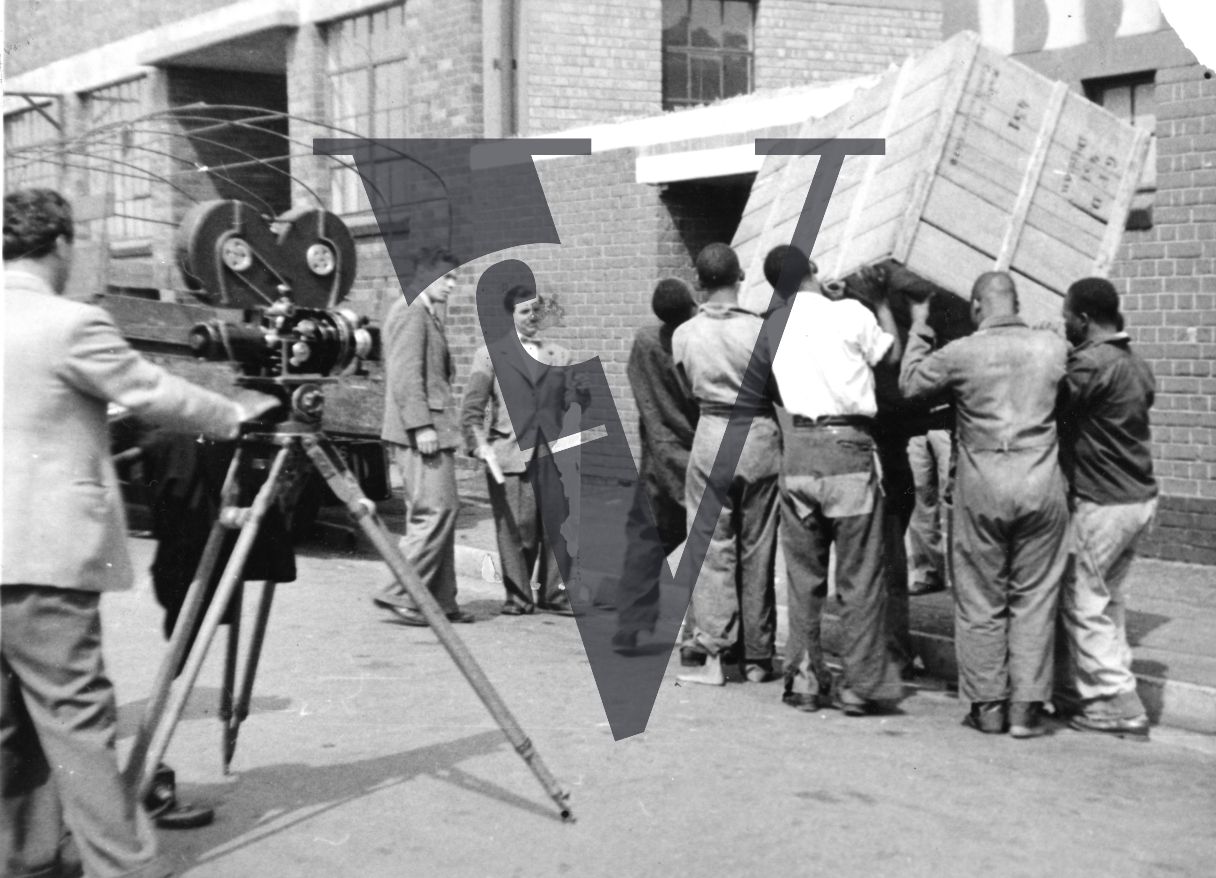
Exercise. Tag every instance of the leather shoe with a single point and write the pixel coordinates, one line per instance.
(515, 608)
(186, 815)
(691, 658)
(1026, 720)
(808, 702)
(758, 672)
(559, 607)
(916, 589)
(461, 617)
(410, 617)
(625, 642)
(987, 717)
(1134, 728)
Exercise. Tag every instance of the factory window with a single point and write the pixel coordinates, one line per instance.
(31, 145)
(119, 148)
(369, 91)
(707, 50)
(1133, 98)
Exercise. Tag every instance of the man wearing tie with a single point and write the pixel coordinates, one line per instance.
(421, 432)
(491, 435)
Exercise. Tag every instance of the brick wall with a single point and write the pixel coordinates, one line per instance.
(36, 34)
(1167, 275)
(589, 62)
(800, 41)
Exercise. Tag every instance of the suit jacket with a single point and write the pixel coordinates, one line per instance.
(64, 524)
(418, 375)
(539, 419)
(667, 416)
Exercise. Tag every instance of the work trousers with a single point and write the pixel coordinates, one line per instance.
(431, 507)
(1009, 552)
(830, 494)
(929, 458)
(521, 540)
(644, 555)
(57, 730)
(735, 597)
(1094, 607)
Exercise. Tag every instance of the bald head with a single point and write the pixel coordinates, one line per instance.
(993, 295)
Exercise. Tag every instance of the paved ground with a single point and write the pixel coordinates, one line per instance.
(368, 755)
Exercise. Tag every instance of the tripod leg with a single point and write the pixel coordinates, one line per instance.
(244, 691)
(228, 686)
(233, 574)
(186, 620)
(346, 488)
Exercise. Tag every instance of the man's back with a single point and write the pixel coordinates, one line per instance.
(1105, 423)
(666, 416)
(63, 360)
(1005, 379)
(714, 350)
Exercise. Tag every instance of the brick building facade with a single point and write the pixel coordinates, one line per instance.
(468, 68)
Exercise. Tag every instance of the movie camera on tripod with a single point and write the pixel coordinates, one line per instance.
(287, 278)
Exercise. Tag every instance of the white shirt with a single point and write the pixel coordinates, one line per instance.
(823, 365)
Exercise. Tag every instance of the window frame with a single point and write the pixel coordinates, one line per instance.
(1097, 90)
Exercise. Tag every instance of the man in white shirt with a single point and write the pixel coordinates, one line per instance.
(830, 491)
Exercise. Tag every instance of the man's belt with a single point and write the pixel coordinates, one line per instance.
(861, 422)
(727, 410)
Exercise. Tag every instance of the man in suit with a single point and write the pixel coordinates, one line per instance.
(422, 434)
(65, 544)
(491, 434)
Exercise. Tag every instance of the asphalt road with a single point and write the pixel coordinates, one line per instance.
(367, 754)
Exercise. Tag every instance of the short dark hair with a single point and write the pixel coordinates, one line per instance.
(516, 294)
(33, 220)
(672, 301)
(429, 257)
(1096, 298)
(718, 266)
(776, 259)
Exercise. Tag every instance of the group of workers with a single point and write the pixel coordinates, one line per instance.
(1049, 469)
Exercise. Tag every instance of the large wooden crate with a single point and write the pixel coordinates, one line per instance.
(988, 165)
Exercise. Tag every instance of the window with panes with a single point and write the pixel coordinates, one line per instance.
(120, 151)
(708, 50)
(1133, 98)
(369, 91)
(32, 147)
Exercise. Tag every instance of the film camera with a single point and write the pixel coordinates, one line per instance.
(284, 281)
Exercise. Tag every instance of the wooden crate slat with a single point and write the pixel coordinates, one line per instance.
(946, 261)
(1034, 171)
(1137, 156)
(990, 174)
(1054, 262)
(965, 215)
(935, 151)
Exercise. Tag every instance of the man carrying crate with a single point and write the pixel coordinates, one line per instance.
(1010, 515)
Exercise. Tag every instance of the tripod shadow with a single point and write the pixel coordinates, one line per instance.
(204, 702)
(272, 799)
